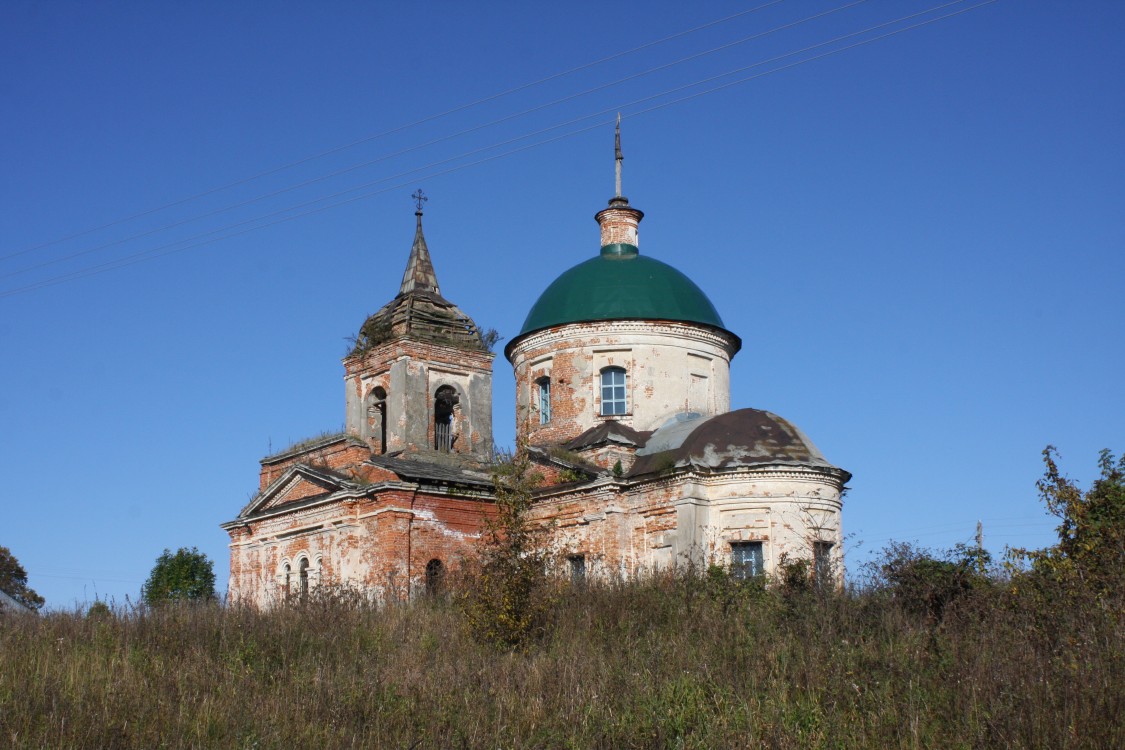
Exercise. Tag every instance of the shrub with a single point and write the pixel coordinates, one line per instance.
(187, 575)
(99, 610)
(924, 582)
(1090, 553)
(506, 593)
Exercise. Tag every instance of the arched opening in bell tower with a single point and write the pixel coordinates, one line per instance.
(377, 418)
(445, 401)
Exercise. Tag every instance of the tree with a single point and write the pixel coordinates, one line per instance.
(1091, 530)
(507, 592)
(13, 581)
(187, 575)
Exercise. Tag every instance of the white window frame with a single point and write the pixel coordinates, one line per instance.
(613, 401)
(544, 386)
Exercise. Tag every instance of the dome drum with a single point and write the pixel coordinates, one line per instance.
(664, 367)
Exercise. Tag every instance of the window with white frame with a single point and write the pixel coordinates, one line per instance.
(613, 391)
(544, 386)
(747, 560)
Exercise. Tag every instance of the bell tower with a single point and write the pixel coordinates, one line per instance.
(419, 377)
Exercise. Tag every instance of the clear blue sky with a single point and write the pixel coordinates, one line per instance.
(919, 239)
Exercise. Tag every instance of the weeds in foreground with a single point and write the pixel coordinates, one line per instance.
(676, 660)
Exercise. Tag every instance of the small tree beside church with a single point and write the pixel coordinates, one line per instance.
(1090, 552)
(187, 575)
(507, 594)
(13, 581)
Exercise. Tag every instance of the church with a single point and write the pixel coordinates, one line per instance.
(622, 376)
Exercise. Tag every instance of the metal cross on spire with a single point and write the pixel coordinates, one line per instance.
(618, 158)
(419, 198)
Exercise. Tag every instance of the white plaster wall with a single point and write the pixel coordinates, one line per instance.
(693, 519)
(671, 368)
(787, 510)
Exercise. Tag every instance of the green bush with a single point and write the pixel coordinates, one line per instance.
(925, 583)
(188, 575)
(507, 590)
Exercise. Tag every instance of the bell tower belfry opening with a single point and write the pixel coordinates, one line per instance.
(419, 376)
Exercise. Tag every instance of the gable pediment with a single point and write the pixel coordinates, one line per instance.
(299, 482)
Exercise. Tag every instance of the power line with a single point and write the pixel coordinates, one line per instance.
(397, 129)
(432, 142)
(170, 248)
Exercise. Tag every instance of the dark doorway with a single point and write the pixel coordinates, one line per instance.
(435, 573)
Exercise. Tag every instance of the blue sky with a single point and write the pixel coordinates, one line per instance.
(918, 239)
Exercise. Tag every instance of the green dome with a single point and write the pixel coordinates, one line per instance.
(620, 284)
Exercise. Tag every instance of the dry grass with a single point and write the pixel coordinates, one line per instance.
(673, 662)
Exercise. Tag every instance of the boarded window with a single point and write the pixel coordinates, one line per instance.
(697, 394)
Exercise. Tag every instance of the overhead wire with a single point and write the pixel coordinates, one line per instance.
(171, 247)
(397, 129)
(432, 142)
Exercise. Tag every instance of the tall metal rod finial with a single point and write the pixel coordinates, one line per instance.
(617, 156)
(419, 198)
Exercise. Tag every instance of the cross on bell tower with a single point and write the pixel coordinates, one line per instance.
(419, 198)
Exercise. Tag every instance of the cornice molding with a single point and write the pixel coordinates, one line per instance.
(552, 337)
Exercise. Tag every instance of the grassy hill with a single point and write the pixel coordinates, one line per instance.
(676, 661)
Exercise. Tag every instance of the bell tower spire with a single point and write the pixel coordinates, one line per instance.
(419, 275)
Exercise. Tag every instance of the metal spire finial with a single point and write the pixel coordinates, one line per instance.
(419, 198)
(618, 158)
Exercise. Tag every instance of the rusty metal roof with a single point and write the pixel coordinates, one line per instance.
(418, 310)
(610, 431)
(419, 275)
(741, 438)
(409, 469)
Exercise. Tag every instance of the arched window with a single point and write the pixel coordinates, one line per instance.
(544, 385)
(286, 574)
(435, 572)
(377, 416)
(444, 401)
(613, 391)
(303, 571)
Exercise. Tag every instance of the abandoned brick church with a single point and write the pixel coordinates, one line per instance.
(623, 399)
